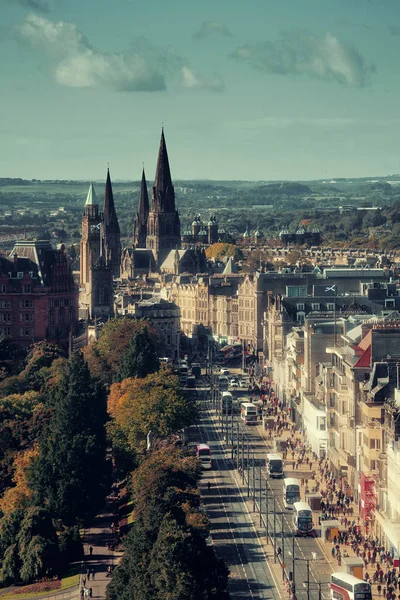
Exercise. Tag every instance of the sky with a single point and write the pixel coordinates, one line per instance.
(255, 90)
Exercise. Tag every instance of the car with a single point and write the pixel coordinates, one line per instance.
(224, 371)
(243, 383)
(233, 382)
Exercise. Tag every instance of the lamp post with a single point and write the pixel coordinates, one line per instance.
(254, 481)
(248, 470)
(266, 511)
(274, 529)
(260, 496)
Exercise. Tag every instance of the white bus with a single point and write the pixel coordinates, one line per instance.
(203, 453)
(274, 465)
(223, 383)
(347, 587)
(291, 491)
(226, 403)
(302, 518)
(248, 413)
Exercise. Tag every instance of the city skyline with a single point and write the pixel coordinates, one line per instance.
(256, 92)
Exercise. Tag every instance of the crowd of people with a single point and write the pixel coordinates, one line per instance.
(337, 500)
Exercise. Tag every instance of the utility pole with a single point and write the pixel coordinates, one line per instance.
(254, 483)
(237, 446)
(282, 538)
(293, 560)
(274, 529)
(248, 470)
(260, 497)
(242, 457)
(308, 578)
(266, 511)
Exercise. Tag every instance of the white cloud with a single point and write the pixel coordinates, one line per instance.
(300, 53)
(211, 29)
(78, 64)
(193, 81)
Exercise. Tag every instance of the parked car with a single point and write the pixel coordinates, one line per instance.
(233, 383)
(224, 371)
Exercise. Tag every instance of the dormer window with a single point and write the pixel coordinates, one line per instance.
(20, 275)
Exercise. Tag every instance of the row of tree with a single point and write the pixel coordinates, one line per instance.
(166, 552)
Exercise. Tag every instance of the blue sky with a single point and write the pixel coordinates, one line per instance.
(263, 89)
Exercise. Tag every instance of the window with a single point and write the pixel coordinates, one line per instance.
(331, 400)
(330, 306)
(5, 304)
(300, 317)
(20, 275)
(5, 317)
(300, 306)
(3, 289)
(6, 330)
(315, 306)
(390, 303)
(322, 423)
(332, 419)
(375, 444)
(27, 289)
(373, 465)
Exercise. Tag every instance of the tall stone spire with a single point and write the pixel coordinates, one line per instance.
(111, 231)
(163, 199)
(140, 225)
(109, 214)
(163, 224)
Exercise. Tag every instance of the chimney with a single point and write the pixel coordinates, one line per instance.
(15, 258)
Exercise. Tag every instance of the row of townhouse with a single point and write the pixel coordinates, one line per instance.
(233, 306)
(339, 373)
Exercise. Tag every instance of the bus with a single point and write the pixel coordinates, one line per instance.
(291, 491)
(274, 464)
(248, 413)
(347, 587)
(302, 518)
(196, 369)
(226, 403)
(203, 453)
(223, 382)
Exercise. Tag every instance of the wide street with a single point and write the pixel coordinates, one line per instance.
(239, 518)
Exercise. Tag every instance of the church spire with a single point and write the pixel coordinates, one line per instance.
(143, 209)
(109, 214)
(163, 174)
(163, 190)
(111, 232)
(140, 225)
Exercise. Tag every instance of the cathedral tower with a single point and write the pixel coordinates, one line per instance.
(163, 225)
(90, 242)
(140, 226)
(111, 232)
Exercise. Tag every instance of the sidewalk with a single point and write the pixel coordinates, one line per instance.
(97, 537)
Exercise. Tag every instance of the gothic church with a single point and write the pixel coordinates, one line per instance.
(156, 241)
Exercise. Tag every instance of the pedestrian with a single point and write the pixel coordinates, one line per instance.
(92, 573)
(88, 572)
(91, 550)
(208, 485)
(82, 593)
(84, 581)
(90, 592)
(379, 589)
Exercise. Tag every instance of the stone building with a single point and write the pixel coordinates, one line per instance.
(165, 318)
(38, 296)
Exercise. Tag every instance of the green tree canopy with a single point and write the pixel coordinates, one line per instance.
(140, 357)
(69, 475)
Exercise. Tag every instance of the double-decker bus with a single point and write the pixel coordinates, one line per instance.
(347, 587)
(291, 491)
(203, 453)
(302, 518)
(248, 413)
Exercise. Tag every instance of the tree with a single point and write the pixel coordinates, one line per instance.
(69, 474)
(140, 358)
(154, 404)
(37, 544)
(222, 250)
(105, 356)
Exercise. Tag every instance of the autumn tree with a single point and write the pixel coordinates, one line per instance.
(105, 356)
(69, 473)
(154, 404)
(222, 250)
